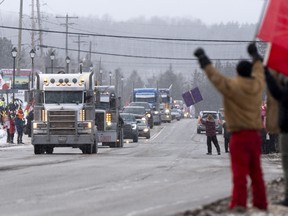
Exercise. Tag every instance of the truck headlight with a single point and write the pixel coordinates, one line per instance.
(82, 115)
(44, 115)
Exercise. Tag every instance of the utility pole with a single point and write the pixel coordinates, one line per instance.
(79, 46)
(19, 37)
(33, 25)
(39, 27)
(67, 25)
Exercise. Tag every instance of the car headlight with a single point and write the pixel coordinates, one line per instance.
(167, 111)
(156, 112)
(146, 130)
(148, 115)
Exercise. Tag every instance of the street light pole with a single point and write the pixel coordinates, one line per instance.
(81, 67)
(14, 54)
(101, 76)
(67, 64)
(122, 90)
(32, 55)
(110, 76)
(52, 56)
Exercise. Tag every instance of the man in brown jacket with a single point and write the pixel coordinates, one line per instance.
(242, 98)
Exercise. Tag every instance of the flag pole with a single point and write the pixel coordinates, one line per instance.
(264, 6)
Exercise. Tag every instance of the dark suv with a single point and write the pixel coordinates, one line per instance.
(130, 127)
(217, 117)
(148, 111)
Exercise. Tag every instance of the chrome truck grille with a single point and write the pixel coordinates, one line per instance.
(62, 122)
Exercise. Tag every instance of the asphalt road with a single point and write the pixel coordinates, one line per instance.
(167, 174)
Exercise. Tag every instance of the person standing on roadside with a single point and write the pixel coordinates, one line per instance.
(12, 128)
(210, 127)
(280, 93)
(242, 99)
(6, 126)
(19, 123)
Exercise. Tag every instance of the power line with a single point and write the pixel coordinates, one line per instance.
(137, 56)
(128, 37)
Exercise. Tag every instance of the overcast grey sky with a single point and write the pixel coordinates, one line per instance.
(209, 11)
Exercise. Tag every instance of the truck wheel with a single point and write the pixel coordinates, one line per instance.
(87, 149)
(49, 150)
(38, 149)
(95, 148)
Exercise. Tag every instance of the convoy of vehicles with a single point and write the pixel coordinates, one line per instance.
(151, 96)
(107, 116)
(64, 113)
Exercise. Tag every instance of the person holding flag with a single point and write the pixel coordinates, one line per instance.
(280, 93)
(242, 97)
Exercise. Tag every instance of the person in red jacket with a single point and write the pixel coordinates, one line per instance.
(242, 99)
(210, 127)
(12, 129)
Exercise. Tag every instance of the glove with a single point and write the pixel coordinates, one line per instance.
(252, 50)
(202, 58)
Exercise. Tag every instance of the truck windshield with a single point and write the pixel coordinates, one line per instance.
(63, 97)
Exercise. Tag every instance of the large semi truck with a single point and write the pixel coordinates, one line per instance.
(64, 113)
(150, 95)
(165, 104)
(107, 117)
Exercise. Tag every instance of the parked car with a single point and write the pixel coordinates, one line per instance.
(130, 127)
(176, 114)
(217, 117)
(148, 111)
(143, 128)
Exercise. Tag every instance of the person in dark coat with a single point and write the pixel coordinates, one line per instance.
(280, 94)
(210, 127)
(19, 123)
(29, 118)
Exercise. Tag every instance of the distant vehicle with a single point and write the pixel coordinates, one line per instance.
(130, 127)
(148, 111)
(152, 96)
(217, 117)
(138, 111)
(176, 114)
(143, 127)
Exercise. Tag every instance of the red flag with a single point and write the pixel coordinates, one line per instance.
(274, 27)
(278, 59)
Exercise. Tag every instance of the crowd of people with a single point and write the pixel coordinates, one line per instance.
(13, 121)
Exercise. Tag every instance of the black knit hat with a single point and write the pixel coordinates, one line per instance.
(244, 68)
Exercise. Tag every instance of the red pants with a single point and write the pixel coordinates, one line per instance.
(245, 152)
